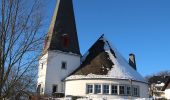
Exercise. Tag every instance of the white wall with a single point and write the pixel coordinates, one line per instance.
(42, 72)
(167, 94)
(78, 88)
(54, 73)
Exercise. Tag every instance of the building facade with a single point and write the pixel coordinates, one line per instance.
(101, 72)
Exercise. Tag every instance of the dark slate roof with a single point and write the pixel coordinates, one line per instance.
(167, 85)
(96, 61)
(62, 33)
(102, 59)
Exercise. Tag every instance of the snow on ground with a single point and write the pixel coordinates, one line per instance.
(68, 98)
(113, 99)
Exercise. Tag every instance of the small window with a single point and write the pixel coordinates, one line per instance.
(114, 89)
(121, 90)
(106, 89)
(97, 89)
(38, 88)
(128, 90)
(42, 89)
(64, 65)
(135, 91)
(89, 89)
(42, 65)
(66, 40)
(55, 87)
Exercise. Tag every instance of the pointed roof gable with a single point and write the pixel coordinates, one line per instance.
(104, 60)
(62, 33)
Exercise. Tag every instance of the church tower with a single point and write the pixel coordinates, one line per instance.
(61, 54)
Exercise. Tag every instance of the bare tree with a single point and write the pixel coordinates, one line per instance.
(20, 45)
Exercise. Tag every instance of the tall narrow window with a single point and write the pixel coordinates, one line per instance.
(121, 90)
(63, 65)
(97, 89)
(39, 88)
(42, 65)
(128, 90)
(105, 89)
(114, 89)
(135, 91)
(62, 87)
(66, 40)
(42, 89)
(55, 88)
(89, 89)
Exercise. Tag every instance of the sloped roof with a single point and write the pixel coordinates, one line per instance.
(167, 84)
(103, 60)
(62, 29)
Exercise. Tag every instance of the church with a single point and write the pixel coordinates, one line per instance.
(102, 72)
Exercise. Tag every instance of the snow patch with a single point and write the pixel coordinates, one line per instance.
(103, 98)
(94, 76)
(120, 70)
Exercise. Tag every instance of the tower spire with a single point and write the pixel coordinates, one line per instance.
(62, 34)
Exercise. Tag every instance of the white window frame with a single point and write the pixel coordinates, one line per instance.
(90, 88)
(123, 89)
(100, 89)
(95, 91)
(107, 89)
(115, 85)
(135, 89)
(130, 90)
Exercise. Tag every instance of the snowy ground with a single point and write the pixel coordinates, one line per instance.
(104, 99)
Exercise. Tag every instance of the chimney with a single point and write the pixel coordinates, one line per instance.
(132, 61)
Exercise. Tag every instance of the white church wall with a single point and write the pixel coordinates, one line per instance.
(42, 72)
(55, 73)
(78, 88)
(167, 94)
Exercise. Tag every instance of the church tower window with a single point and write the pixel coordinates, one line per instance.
(55, 88)
(66, 40)
(63, 65)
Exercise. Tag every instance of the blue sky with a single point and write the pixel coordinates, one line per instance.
(138, 26)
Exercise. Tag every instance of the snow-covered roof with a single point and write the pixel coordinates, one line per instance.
(119, 68)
